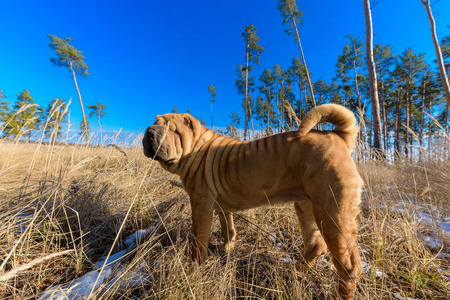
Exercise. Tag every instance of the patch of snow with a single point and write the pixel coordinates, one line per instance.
(443, 224)
(78, 288)
(430, 241)
(288, 260)
(131, 279)
(81, 287)
(113, 260)
(398, 296)
(138, 236)
(367, 268)
(435, 222)
(273, 238)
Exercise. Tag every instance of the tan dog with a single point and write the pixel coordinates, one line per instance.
(311, 168)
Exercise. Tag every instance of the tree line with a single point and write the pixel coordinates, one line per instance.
(401, 100)
(26, 118)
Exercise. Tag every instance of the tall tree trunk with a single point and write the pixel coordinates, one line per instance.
(251, 121)
(101, 134)
(429, 125)
(246, 98)
(358, 94)
(86, 130)
(422, 122)
(397, 125)
(372, 77)
(383, 100)
(212, 126)
(437, 48)
(311, 90)
(407, 118)
(300, 110)
(277, 112)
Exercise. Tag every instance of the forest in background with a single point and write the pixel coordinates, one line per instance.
(411, 110)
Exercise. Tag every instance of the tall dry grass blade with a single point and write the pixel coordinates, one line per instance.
(31, 264)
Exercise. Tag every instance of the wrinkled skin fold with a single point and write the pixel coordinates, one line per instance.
(313, 169)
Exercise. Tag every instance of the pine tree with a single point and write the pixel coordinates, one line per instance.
(291, 15)
(267, 89)
(85, 129)
(409, 67)
(384, 60)
(4, 105)
(375, 107)
(322, 90)
(445, 48)
(253, 52)
(175, 110)
(351, 58)
(23, 118)
(437, 48)
(53, 117)
(260, 111)
(342, 69)
(232, 128)
(4, 109)
(241, 83)
(278, 75)
(68, 56)
(98, 111)
(298, 72)
(212, 90)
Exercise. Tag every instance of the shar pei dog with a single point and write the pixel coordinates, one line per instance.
(311, 168)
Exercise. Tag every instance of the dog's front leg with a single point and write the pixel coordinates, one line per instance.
(202, 213)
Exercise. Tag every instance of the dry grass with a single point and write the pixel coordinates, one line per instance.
(58, 198)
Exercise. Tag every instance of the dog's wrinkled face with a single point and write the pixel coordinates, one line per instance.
(167, 139)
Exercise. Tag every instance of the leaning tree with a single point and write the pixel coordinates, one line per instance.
(68, 56)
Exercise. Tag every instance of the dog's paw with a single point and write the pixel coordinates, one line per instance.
(228, 247)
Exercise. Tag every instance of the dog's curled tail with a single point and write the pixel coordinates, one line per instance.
(342, 118)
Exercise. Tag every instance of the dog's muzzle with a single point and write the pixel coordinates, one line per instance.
(150, 142)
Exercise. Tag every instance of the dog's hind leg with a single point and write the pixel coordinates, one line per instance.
(228, 230)
(315, 245)
(335, 215)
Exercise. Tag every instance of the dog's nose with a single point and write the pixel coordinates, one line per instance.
(151, 134)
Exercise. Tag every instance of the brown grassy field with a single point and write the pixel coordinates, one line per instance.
(62, 208)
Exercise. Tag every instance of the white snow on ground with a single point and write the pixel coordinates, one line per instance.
(137, 236)
(398, 296)
(442, 225)
(78, 288)
(288, 260)
(437, 224)
(112, 260)
(367, 268)
(113, 271)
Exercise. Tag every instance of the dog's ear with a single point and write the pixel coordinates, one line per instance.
(187, 121)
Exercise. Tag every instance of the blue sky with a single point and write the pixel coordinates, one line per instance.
(145, 57)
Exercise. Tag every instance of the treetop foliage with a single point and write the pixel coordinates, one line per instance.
(253, 50)
(213, 92)
(97, 110)
(23, 118)
(67, 55)
(291, 15)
